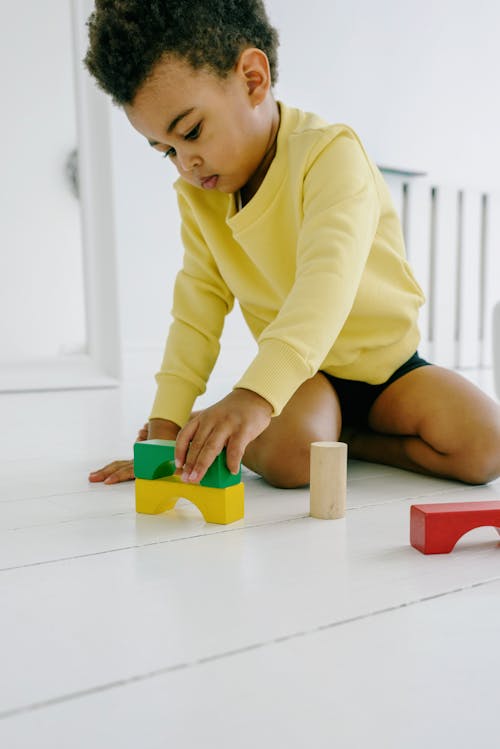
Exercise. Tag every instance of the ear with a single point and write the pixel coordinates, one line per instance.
(253, 69)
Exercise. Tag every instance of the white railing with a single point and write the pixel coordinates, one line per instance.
(452, 238)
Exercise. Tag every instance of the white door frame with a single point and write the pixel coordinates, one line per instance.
(96, 196)
(100, 365)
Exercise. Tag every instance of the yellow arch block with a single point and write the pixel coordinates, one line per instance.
(216, 505)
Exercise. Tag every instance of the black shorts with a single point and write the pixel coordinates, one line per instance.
(356, 398)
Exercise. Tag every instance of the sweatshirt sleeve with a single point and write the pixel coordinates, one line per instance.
(341, 212)
(201, 302)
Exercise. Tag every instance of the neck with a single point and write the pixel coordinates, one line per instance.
(255, 181)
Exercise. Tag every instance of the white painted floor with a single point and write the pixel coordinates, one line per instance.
(124, 630)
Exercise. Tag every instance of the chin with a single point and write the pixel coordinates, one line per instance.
(225, 187)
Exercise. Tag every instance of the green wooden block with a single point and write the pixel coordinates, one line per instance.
(218, 475)
(154, 459)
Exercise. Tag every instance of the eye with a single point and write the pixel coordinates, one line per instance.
(194, 133)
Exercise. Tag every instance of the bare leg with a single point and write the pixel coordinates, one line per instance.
(435, 422)
(281, 453)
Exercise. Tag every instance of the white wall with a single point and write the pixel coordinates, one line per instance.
(41, 280)
(416, 79)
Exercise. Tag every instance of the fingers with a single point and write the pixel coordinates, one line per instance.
(114, 473)
(201, 454)
(233, 422)
(142, 435)
(204, 448)
(236, 447)
(182, 443)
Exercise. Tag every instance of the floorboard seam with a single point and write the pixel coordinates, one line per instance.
(55, 495)
(68, 521)
(201, 535)
(237, 651)
(151, 543)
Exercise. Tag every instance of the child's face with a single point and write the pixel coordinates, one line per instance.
(214, 130)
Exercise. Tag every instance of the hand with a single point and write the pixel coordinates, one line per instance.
(123, 470)
(233, 423)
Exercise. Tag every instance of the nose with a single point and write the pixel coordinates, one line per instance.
(187, 162)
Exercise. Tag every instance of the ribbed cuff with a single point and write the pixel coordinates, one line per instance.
(275, 373)
(174, 399)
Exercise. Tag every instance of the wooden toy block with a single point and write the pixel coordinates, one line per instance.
(436, 528)
(328, 480)
(154, 459)
(217, 505)
(218, 475)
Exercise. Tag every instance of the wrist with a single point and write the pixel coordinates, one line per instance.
(256, 399)
(162, 429)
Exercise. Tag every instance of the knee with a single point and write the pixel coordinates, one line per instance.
(480, 464)
(482, 472)
(287, 469)
(286, 465)
(281, 453)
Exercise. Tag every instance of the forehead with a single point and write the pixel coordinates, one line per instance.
(173, 88)
(176, 83)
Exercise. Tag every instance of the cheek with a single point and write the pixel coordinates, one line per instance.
(231, 153)
(223, 141)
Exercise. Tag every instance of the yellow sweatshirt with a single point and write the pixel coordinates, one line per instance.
(316, 260)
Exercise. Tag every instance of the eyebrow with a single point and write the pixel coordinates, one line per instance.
(173, 124)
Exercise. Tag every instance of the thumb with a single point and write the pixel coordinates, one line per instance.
(143, 433)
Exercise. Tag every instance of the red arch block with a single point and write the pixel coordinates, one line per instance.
(436, 528)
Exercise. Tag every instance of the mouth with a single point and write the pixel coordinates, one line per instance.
(210, 183)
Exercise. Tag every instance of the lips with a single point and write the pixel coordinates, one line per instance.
(209, 183)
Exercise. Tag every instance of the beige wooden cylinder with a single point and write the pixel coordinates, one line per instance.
(328, 478)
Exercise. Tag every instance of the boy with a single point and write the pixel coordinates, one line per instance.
(288, 215)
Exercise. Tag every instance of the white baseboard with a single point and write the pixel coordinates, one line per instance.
(75, 373)
(141, 364)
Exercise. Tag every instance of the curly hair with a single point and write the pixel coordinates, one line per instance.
(128, 37)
